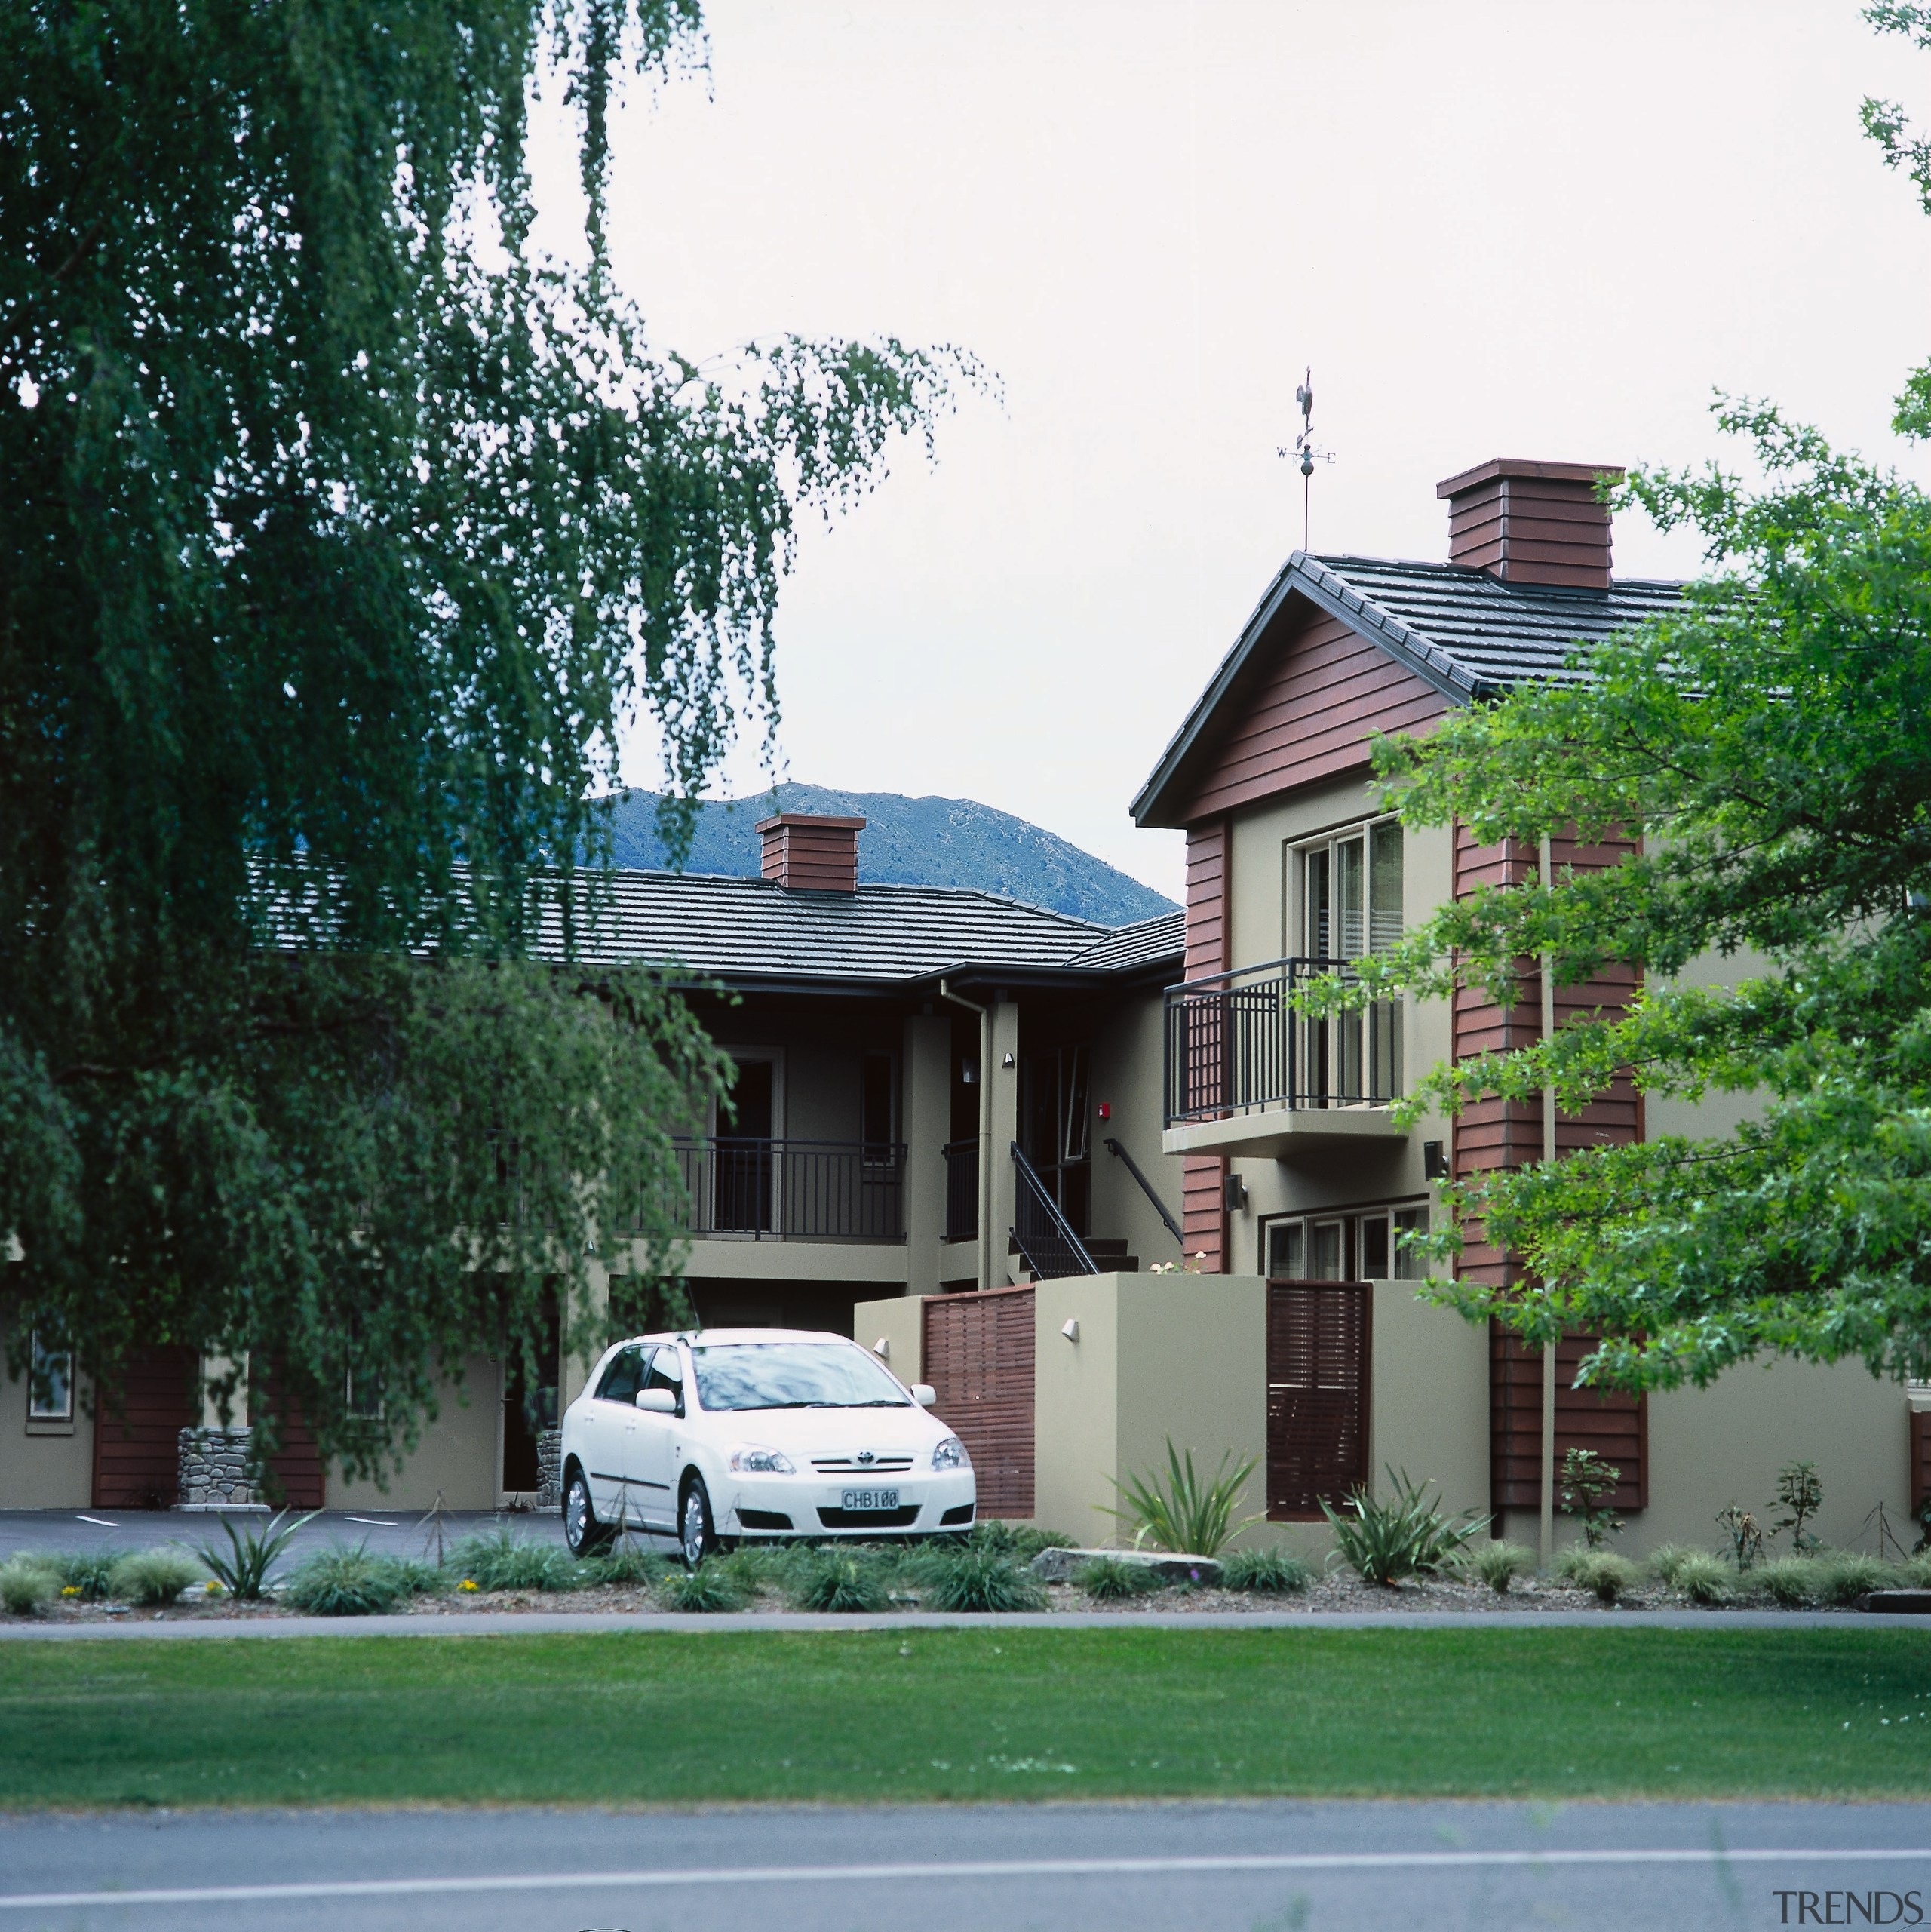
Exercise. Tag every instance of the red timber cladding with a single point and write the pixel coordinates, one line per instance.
(1613, 1424)
(1203, 1177)
(296, 1467)
(978, 1357)
(1920, 1460)
(137, 1438)
(1490, 1135)
(1313, 716)
(805, 853)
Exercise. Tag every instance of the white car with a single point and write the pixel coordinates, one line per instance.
(724, 1433)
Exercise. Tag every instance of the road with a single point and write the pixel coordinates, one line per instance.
(1256, 1867)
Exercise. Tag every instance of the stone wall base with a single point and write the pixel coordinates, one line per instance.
(549, 1469)
(214, 1469)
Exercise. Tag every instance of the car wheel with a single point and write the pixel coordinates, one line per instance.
(581, 1530)
(696, 1532)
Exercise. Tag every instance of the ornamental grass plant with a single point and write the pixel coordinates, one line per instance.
(1108, 1580)
(1607, 1575)
(150, 1578)
(1270, 1572)
(841, 1580)
(501, 1560)
(1020, 1540)
(1844, 1575)
(1179, 1509)
(345, 1579)
(26, 1586)
(1406, 1535)
(1705, 1579)
(981, 1580)
(1792, 1582)
(627, 1561)
(243, 1569)
(89, 1574)
(707, 1590)
(1496, 1565)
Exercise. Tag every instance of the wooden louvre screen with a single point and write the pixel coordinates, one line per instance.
(1614, 1424)
(978, 1357)
(1920, 1460)
(137, 1439)
(1317, 1394)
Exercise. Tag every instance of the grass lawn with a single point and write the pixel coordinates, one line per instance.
(968, 1714)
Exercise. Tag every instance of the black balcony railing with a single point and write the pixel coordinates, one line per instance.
(795, 1190)
(1236, 1045)
(961, 1190)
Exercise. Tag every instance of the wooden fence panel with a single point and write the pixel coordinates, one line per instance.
(978, 1356)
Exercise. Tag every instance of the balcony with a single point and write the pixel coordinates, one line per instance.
(1245, 1073)
(794, 1190)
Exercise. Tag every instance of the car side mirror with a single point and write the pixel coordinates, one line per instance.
(924, 1394)
(659, 1401)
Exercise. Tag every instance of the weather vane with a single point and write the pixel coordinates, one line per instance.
(1306, 452)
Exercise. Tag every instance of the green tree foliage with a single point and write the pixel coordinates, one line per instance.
(1771, 739)
(341, 532)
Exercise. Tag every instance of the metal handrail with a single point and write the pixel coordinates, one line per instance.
(1119, 1153)
(1037, 1244)
(1237, 1043)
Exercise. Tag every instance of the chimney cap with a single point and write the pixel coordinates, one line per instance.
(1524, 466)
(809, 818)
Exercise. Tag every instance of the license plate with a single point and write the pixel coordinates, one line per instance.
(868, 1499)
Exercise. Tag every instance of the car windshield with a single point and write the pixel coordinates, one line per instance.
(792, 1374)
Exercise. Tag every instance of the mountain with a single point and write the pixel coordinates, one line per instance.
(905, 842)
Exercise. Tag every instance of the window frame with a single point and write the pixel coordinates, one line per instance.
(1351, 1217)
(49, 1421)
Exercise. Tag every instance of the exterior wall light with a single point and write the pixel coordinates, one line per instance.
(881, 1348)
(1071, 1330)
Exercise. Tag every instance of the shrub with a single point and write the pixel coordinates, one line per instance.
(1275, 1572)
(152, 1577)
(706, 1590)
(500, 1559)
(1406, 1536)
(627, 1561)
(1107, 1580)
(1801, 1492)
(1844, 1575)
(1602, 1571)
(1916, 1570)
(242, 1569)
(840, 1581)
(1186, 1514)
(25, 1583)
(958, 1580)
(1793, 1583)
(344, 1579)
(1497, 1564)
(1587, 1483)
(1703, 1578)
(1746, 1538)
(89, 1574)
(1668, 1558)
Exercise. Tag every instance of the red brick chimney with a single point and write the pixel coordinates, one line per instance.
(1530, 523)
(806, 853)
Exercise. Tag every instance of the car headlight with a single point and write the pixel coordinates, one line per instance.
(752, 1459)
(951, 1454)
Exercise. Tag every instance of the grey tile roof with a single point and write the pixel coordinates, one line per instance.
(1467, 632)
(1150, 941)
(748, 932)
(1496, 633)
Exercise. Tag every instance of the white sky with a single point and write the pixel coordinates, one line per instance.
(1497, 227)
